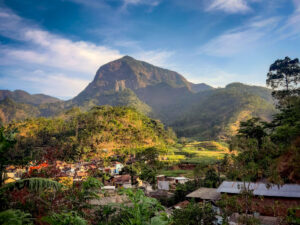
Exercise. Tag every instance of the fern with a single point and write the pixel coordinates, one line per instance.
(68, 218)
(34, 184)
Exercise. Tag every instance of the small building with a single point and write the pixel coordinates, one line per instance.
(118, 167)
(205, 194)
(179, 180)
(167, 183)
(268, 200)
(161, 177)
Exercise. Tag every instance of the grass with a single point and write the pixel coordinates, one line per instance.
(205, 152)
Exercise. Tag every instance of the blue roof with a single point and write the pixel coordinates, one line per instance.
(261, 189)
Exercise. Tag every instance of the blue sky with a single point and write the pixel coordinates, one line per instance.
(56, 46)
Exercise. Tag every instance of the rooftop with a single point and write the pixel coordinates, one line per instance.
(180, 178)
(261, 189)
(205, 194)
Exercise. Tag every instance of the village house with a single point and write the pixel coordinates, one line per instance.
(205, 195)
(169, 183)
(268, 201)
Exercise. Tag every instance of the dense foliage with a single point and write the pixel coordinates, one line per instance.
(194, 214)
(217, 114)
(76, 135)
(271, 150)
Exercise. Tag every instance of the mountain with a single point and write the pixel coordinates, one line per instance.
(20, 105)
(11, 110)
(138, 76)
(24, 97)
(200, 87)
(192, 110)
(130, 73)
(216, 114)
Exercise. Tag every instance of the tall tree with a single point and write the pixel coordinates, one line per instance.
(283, 77)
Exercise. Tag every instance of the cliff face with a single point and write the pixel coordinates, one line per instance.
(133, 74)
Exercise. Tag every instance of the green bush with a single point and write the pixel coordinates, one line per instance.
(15, 217)
(68, 218)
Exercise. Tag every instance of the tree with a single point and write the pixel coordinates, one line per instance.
(283, 78)
(253, 128)
(6, 142)
(194, 214)
(146, 166)
(80, 194)
(212, 179)
(141, 210)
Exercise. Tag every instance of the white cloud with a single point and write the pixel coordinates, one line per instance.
(51, 50)
(158, 57)
(229, 6)
(240, 39)
(219, 77)
(40, 81)
(150, 3)
(62, 58)
(142, 2)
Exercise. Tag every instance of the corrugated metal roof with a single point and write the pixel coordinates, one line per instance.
(205, 193)
(261, 189)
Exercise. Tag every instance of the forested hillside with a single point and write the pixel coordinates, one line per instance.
(216, 114)
(77, 135)
(11, 110)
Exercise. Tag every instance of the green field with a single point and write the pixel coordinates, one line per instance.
(205, 152)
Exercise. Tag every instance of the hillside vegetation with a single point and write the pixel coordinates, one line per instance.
(82, 135)
(217, 114)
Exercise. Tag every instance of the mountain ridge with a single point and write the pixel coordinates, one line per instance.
(193, 110)
(24, 97)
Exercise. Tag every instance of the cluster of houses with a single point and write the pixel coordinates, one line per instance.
(269, 202)
(74, 171)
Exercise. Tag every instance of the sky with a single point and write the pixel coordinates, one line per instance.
(55, 46)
